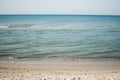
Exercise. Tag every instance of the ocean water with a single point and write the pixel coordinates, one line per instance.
(59, 36)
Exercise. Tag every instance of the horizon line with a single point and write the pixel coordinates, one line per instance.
(69, 14)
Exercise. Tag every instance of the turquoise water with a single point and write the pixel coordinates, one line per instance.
(59, 36)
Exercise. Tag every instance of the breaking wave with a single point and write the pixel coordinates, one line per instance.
(48, 27)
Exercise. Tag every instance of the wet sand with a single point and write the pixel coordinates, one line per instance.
(59, 70)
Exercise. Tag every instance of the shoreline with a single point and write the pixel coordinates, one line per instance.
(55, 61)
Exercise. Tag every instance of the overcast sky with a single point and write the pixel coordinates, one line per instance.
(99, 7)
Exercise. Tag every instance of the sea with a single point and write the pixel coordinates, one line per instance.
(59, 36)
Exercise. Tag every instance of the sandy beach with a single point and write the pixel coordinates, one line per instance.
(59, 70)
(59, 46)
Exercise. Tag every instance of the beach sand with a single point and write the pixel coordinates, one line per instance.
(59, 70)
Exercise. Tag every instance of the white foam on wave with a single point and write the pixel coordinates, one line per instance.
(4, 27)
(47, 27)
(60, 27)
(13, 27)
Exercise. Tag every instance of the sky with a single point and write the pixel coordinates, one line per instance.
(96, 7)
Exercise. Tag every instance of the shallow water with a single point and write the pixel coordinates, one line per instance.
(59, 36)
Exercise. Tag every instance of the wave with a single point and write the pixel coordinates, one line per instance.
(12, 27)
(47, 27)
